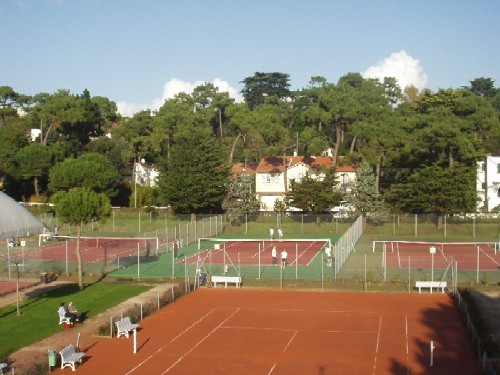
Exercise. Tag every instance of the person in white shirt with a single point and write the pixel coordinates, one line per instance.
(328, 252)
(284, 255)
(274, 254)
(280, 234)
(271, 233)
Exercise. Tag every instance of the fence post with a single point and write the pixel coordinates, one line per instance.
(416, 224)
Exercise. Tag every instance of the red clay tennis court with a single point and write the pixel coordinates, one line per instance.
(471, 256)
(230, 331)
(93, 249)
(253, 252)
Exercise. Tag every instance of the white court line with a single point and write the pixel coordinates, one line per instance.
(272, 368)
(175, 338)
(284, 349)
(378, 342)
(294, 330)
(407, 347)
(489, 256)
(290, 341)
(198, 343)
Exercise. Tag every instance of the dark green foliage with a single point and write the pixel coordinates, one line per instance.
(262, 87)
(437, 189)
(194, 176)
(91, 170)
(312, 194)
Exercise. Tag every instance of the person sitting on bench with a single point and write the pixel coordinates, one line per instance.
(73, 311)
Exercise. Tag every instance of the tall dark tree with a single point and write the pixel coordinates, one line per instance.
(262, 87)
(193, 178)
(484, 87)
(437, 189)
(34, 162)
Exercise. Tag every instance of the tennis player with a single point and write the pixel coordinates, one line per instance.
(284, 255)
(328, 252)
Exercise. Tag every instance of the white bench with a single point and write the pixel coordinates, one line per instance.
(431, 285)
(64, 318)
(69, 357)
(125, 326)
(226, 280)
(2, 366)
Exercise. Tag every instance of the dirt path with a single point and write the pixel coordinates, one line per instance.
(37, 352)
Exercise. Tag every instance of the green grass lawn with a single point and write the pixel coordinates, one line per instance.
(39, 317)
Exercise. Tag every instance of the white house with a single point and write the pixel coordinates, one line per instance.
(488, 183)
(274, 174)
(145, 175)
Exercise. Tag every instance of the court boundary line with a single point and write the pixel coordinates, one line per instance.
(298, 330)
(377, 345)
(172, 340)
(180, 335)
(199, 343)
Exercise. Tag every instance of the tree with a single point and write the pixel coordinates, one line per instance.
(8, 98)
(262, 87)
(117, 150)
(314, 193)
(484, 87)
(74, 118)
(193, 178)
(12, 139)
(364, 196)
(437, 189)
(91, 170)
(34, 162)
(240, 198)
(80, 206)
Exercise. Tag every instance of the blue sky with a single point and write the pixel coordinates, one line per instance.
(140, 52)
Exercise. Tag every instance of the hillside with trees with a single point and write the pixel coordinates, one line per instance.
(420, 147)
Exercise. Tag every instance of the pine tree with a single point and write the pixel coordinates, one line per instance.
(365, 197)
(240, 199)
(193, 178)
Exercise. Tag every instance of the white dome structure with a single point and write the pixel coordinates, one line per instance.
(16, 221)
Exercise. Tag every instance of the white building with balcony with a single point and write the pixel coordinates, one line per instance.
(488, 183)
(274, 174)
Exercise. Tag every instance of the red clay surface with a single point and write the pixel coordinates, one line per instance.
(106, 251)
(255, 252)
(238, 331)
(400, 255)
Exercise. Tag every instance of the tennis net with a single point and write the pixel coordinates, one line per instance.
(205, 243)
(112, 242)
(421, 247)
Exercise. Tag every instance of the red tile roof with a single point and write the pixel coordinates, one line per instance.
(243, 168)
(275, 163)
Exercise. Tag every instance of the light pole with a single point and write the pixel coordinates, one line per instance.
(432, 250)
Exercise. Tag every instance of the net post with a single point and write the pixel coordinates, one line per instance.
(259, 260)
(138, 261)
(296, 260)
(67, 265)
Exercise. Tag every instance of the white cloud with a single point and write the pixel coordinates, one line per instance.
(172, 88)
(406, 69)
